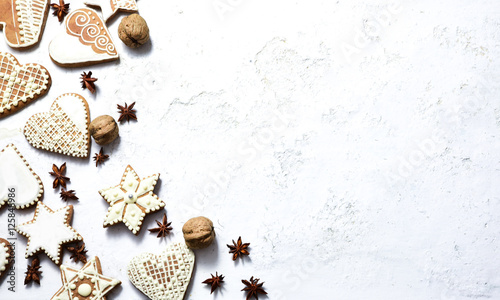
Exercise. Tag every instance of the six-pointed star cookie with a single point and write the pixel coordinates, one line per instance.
(110, 7)
(131, 200)
(86, 283)
(48, 231)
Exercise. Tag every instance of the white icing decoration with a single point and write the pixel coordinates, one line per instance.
(131, 200)
(48, 231)
(64, 129)
(31, 16)
(16, 172)
(109, 8)
(70, 276)
(151, 274)
(4, 255)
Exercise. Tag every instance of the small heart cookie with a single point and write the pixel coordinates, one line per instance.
(85, 41)
(165, 276)
(64, 129)
(111, 7)
(17, 180)
(20, 85)
(23, 21)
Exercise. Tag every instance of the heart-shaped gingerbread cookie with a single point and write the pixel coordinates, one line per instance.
(23, 21)
(85, 41)
(64, 129)
(20, 85)
(165, 276)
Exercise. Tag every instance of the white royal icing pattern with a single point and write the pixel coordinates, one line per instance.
(20, 83)
(87, 283)
(163, 277)
(64, 129)
(110, 7)
(28, 18)
(131, 200)
(16, 172)
(48, 231)
(4, 256)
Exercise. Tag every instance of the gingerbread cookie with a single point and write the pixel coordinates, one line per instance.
(86, 283)
(64, 129)
(17, 180)
(110, 7)
(23, 21)
(85, 41)
(20, 84)
(5, 256)
(48, 231)
(131, 200)
(165, 276)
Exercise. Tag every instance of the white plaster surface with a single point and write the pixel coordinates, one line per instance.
(354, 144)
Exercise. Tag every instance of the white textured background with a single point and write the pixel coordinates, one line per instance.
(355, 146)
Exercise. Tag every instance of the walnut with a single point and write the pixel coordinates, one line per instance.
(198, 232)
(133, 31)
(104, 129)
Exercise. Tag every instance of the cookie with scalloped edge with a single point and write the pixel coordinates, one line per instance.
(18, 181)
(111, 7)
(5, 257)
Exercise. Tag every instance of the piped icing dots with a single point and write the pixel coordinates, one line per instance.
(131, 200)
(4, 255)
(29, 17)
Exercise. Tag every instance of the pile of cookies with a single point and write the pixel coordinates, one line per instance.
(66, 128)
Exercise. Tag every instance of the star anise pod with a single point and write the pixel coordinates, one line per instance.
(58, 173)
(68, 195)
(33, 273)
(163, 228)
(78, 253)
(253, 288)
(126, 112)
(239, 249)
(61, 10)
(88, 82)
(215, 281)
(100, 157)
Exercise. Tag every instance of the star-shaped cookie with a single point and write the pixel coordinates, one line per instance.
(131, 200)
(110, 7)
(86, 283)
(48, 231)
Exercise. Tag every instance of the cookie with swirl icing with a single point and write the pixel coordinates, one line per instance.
(84, 41)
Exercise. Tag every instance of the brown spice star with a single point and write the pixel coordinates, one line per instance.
(163, 228)
(88, 82)
(239, 249)
(78, 253)
(126, 112)
(253, 288)
(215, 281)
(68, 195)
(33, 273)
(61, 10)
(60, 178)
(100, 157)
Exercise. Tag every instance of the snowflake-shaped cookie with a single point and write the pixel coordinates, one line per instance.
(131, 200)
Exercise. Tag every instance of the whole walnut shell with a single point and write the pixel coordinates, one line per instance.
(198, 232)
(133, 31)
(104, 129)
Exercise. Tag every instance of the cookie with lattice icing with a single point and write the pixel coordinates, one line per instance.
(63, 129)
(84, 41)
(5, 256)
(86, 283)
(17, 180)
(165, 276)
(23, 21)
(131, 200)
(48, 231)
(20, 84)
(110, 7)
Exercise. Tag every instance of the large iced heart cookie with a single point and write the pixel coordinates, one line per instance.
(64, 129)
(20, 85)
(23, 21)
(17, 180)
(85, 41)
(165, 276)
